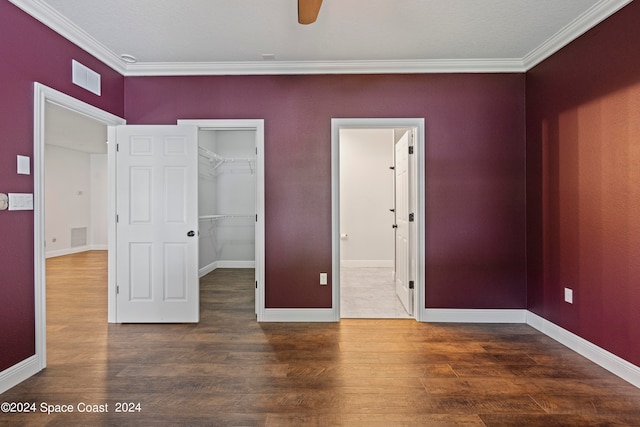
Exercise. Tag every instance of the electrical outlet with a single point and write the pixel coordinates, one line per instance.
(323, 278)
(568, 295)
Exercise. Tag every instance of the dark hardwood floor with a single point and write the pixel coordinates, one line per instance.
(229, 370)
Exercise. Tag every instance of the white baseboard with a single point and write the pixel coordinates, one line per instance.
(207, 269)
(444, 315)
(19, 372)
(235, 264)
(363, 263)
(225, 264)
(76, 250)
(609, 361)
(298, 315)
(67, 251)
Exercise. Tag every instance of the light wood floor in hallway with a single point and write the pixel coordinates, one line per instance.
(229, 370)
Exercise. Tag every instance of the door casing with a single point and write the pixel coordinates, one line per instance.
(418, 234)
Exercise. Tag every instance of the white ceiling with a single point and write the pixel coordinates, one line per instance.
(230, 36)
(71, 130)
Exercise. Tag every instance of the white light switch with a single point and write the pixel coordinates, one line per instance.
(323, 278)
(24, 165)
(568, 295)
(20, 201)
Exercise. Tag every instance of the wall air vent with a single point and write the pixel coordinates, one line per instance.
(85, 77)
(78, 237)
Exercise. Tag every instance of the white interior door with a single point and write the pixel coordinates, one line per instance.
(157, 227)
(402, 246)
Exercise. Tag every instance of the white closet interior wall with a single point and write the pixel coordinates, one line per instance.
(226, 199)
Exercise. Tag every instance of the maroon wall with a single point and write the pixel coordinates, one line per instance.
(30, 52)
(583, 185)
(474, 169)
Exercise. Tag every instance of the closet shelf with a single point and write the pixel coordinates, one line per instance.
(217, 160)
(216, 217)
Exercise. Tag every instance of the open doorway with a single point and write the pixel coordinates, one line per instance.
(378, 218)
(66, 112)
(367, 221)
(75, 182)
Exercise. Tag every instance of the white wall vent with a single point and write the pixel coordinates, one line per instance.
(85, 77)
(78, 237)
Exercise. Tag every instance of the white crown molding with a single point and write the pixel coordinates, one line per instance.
(67, 29)
(57, 22)
(326, 67)
(583, 23)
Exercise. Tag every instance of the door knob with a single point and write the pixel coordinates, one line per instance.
(191, 233)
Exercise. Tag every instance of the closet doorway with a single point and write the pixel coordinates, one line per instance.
(231, 197)
(226, 199)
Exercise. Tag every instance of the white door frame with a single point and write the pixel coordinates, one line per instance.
(419, 147)
(42, 95)
(256, 125)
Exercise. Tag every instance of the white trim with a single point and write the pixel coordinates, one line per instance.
(490, 65)
(43, 94)
(44, 13)
(19, 372)
(419, 146)
(609, 361)
(445, 315)
(298, 315)
(70, 31)
(583, 23)
(76, 250)
(235, 264)
(225, 264)
(68, 251)
(207, 269)
(259, 263)
(367, 263)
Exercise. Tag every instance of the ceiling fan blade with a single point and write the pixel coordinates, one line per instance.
(308, 11)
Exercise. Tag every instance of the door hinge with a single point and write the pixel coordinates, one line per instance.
(117, 147)
(117, 218)
(256, 284)
(411, 149)
(256, 217)
(411, 284)
(117, 290)
(411, 217)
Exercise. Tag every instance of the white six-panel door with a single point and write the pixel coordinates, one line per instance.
(157, 227)
(402, 271)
